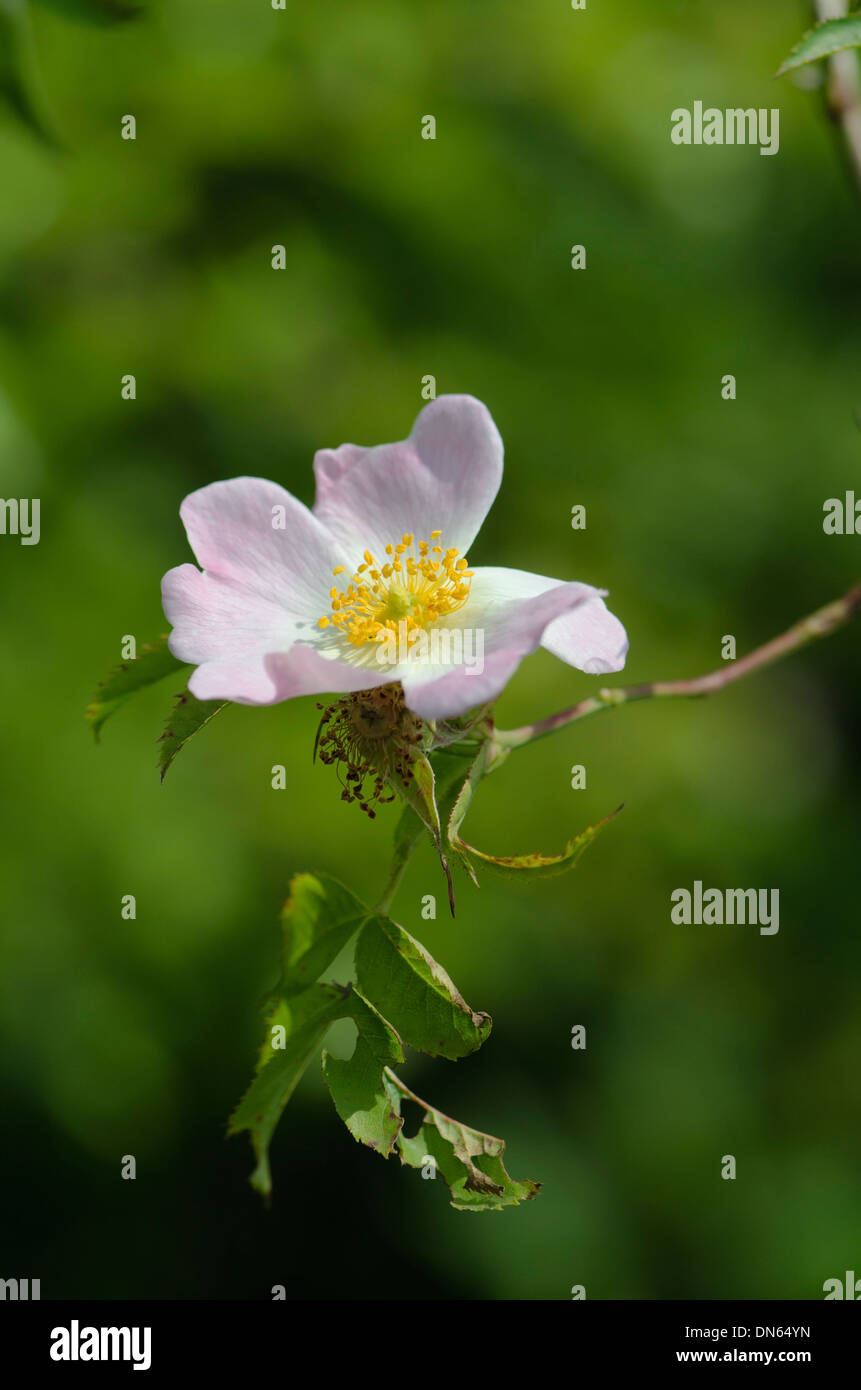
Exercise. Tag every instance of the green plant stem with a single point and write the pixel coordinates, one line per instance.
(819, 624)
(395, 875)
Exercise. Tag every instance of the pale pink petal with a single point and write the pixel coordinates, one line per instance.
(245, 682)
(256, 534)
(276, 676)
(443, 478)
(215, 619)
(462, 688)
(589, 637)
(511, 627)
(267, 574)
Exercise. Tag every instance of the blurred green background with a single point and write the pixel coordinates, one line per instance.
(407, 257)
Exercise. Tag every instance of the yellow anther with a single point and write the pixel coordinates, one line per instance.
(414, 588)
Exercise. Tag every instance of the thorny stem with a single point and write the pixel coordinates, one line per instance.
(819, 624)
(842, 96)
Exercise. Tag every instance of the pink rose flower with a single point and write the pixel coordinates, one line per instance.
(373, 585)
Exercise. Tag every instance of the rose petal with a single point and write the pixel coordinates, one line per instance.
(256, 534)
(512, 628)
(215, 619)
(276, 676)
(443, 478)
(589, 637)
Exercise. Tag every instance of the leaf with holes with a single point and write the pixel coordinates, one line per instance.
(469, 1161)
(356, 1084)
(318, 920)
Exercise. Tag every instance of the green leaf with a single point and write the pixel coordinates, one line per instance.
(295, 1030)
(357, 1085)
(522, 866)
(822, 40)
(189, 716)
(395, 972)
(98, 11)
(537, 865)
(318, 920)
(469, 1161)
(153, 663)
(19, 82)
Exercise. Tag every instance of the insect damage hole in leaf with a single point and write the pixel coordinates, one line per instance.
(470, 1162)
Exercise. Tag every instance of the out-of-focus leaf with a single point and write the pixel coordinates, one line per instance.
(469, 1161)
(357, 1085)
(399, 977)
(295, 1029)
(98, 11)
(152, 663)
(822, 40)
(19, 82)
(318, 920)
(189, 716)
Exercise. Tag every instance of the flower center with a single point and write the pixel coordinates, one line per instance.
(415, 585)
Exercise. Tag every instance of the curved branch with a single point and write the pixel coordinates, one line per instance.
(819, 624)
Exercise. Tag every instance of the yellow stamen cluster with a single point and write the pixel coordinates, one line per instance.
(415, 585)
